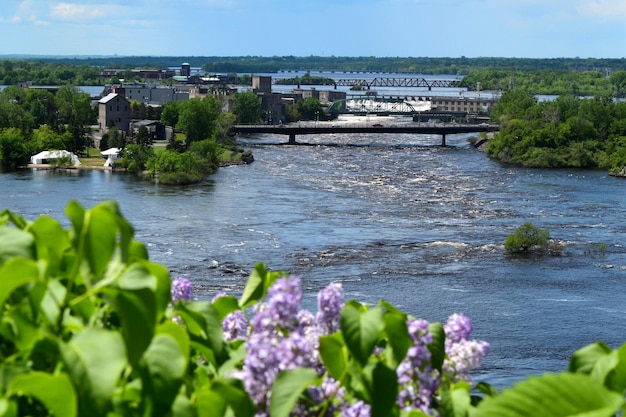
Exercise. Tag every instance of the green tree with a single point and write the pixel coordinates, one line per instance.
(310, 109)
(514, 104)
(247, 108)
(618, 81)
(114, 138)
(526, 237)
(45, 138)
(198, 118)
(143, 136)
(15, 150)
(74, 109)
(135, 157)
(171, 113)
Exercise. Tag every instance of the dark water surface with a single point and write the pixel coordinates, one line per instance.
(390, 217)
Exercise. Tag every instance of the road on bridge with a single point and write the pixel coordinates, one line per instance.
(294, 129)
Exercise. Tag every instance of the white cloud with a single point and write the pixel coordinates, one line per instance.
(75, 11)
(604, 9)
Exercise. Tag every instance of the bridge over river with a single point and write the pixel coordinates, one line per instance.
(319, 128)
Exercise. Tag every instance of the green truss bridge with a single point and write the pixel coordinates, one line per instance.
(379, 105)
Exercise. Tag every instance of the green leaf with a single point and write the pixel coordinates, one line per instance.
(456, 400)
(15, 273)
(383, 385)
(15, 243)
(553, 395)
(234, 393)
(361, 331)
(137, 309)
(225, 305)
(51, 241)
(438, 347)
(287, 388)
(583, 360)
(94, 359)
(204, 325)
(211, 404)
(25, 332)
(332, 352)
(259, 282)
(164, 367)
(179, 334)
(398, 336)
(55, 392)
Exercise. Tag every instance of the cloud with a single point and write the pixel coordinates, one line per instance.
(75, 11)
(604, 9)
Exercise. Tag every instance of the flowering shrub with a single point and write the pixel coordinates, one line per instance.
(90, 327)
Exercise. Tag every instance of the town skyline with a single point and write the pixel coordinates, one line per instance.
(380, 28)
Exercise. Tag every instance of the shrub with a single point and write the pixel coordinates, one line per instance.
(90, 327)
(525, 237)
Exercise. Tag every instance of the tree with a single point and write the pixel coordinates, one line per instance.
(310, 108)
(198, 118)
(45, 138)
(135, 157)
(74, 109)
(171, 113)
(514, 104)
(143, 136)
(114, 138)
(526, 237)
(14, 149)
(247, 108)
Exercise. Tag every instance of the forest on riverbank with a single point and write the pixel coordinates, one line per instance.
(568, 132)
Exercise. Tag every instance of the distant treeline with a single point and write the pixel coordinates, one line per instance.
(423, 65)
(578, 76)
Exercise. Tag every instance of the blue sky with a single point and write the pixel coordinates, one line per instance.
(404, 28)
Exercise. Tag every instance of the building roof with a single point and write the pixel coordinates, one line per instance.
(108, 98)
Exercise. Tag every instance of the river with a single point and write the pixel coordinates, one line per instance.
(395, 217)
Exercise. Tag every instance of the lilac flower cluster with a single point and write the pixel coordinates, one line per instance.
(182, 289)
(329, 304)
(283, 336)
(463, 355)
(417, 379)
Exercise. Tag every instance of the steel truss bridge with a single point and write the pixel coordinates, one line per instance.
(379, 105)
(397, 82)
(392, 82)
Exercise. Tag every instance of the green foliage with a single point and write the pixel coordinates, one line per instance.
(88, 328)
(135, 157)
(525, 237)
(198, 118)
(14, 149)
(310, 109)
(565, 133)
(177, 166)
(306, 79)
(247, 108)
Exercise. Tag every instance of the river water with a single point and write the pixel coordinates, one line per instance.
(391, 217)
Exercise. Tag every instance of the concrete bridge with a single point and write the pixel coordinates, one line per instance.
(320, 128)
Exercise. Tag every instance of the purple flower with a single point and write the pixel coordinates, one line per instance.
(457, 328)
(329, 305)
(418, 381)
(235, 326)
(359, 409)
(182, 289)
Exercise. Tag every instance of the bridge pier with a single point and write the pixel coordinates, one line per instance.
(292, 138)
(443, 139)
